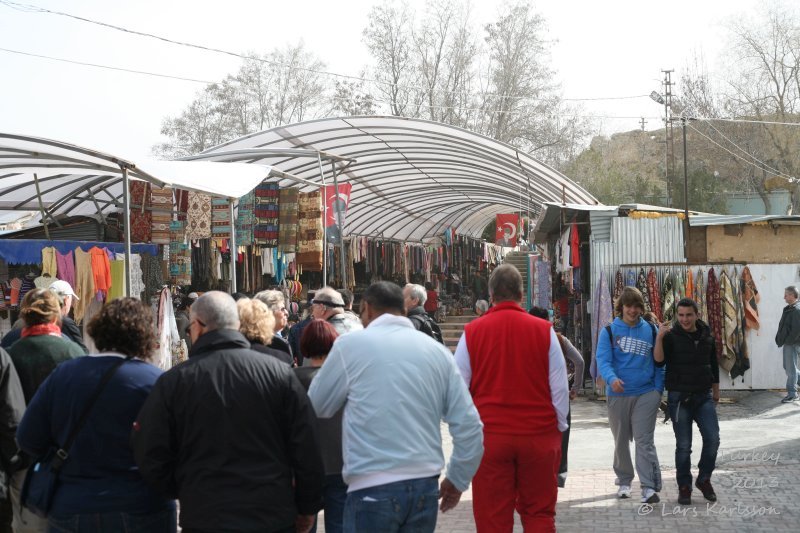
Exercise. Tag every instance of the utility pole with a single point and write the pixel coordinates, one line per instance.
(643, 123)
(670, 147)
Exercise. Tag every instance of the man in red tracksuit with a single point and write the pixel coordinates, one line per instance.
(513, 365)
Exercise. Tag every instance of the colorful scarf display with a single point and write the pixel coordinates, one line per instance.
(653, 292)
(266, 212)
(668, 310)
(245, 220)
(750, 298)
(287, 241)
(141, 217)
(161, 202)
(309, 231)
(220, 218)
(180, 255)
(641, 284)
(198, 216)
(700, 295)
(714, 311)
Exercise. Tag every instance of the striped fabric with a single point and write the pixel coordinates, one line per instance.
(180, 255)
(309, 231)
(245, 220)
(220, 218)
(287, 239)
(267, 213)
(161, 203)
(141, 218)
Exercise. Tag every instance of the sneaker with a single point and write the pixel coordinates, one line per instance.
(685, 495)
(789, 398)
(650, 496)
(707, 490)
(623, 492)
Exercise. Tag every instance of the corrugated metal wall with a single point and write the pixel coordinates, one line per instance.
(636, 240)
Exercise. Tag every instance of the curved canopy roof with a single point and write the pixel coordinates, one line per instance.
(411, 178)
(64, 179)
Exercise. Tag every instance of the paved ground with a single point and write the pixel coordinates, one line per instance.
(757, 478)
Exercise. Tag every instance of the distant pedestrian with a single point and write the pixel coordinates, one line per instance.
(634, 386)
(515, 370)
(396, 386)
(414, 299)
(692, 379)
(296, 331)
(432, 300)
(230, 433)
(788, 337)
(257, 324)
(277, 304)
(328, 305)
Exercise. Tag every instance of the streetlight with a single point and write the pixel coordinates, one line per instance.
(659, 99)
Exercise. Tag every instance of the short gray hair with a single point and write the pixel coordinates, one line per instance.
(793, 290)
(505, 283)
(482, 306)
(273, 299)
(417, 292)
(217, 310)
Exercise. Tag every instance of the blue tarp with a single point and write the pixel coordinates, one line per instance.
(18, 251)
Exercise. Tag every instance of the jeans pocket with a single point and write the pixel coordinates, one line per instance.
(375, 515)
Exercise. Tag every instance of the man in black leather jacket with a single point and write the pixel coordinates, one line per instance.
(230, 434)
(692, 379)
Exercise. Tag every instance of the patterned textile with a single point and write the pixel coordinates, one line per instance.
(668, 313)
(141, 218)
(310, 232)
(680, 287)
(287, 239)
(729, 323)
(544, 289)
(714, 310)
(198, 216)
(152, 275)
(653, 292)
(750, 299)
(630, 278)
(220, 218)
(742, 363)
(641, 284)
(161, 201)
(180, 256)
(267, 214)
(602, 315)
(700, 296)
(245, 220)
(690, 284)
(181, 203)
(618, 286)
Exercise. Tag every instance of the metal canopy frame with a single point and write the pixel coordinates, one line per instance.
(411, 178)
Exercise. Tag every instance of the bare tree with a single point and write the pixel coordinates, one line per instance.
(200, 126)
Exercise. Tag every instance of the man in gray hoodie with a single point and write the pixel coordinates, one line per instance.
(788, 336)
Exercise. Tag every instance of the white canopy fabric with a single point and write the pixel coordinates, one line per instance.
(72, 180)
(411, 179)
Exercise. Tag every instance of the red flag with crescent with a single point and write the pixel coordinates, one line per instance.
(506, 229)
(332, 197)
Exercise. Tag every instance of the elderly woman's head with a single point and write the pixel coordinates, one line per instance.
(277, 304)
(125, 326)
(40, 306)
(256, 321)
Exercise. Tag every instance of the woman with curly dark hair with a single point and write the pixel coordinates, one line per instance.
(100, 489)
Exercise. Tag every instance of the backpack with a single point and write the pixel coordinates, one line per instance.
(427, 326)
(611, 335)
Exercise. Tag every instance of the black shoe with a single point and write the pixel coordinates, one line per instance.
(685, 495)
(707, 490)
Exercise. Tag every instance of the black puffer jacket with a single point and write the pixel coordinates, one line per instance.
(228, 432)
(691, 367)
(789, 326)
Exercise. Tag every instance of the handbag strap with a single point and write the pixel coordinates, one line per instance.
(62, 453)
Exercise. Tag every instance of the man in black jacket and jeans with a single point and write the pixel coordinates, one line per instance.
(229, 433)
(414, 297)
(692, 379)
(788, 337)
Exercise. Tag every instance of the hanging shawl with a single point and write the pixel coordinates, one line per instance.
(690, 285)
(680, 286)
(700, 296)
(602, 315)
(641, 284)
(750, 299)
(742, 363)
(630, 279)
(652, 291)
(714, 311)
(668, 313)
(729, 323)
(245, 219)
(617, 288)
(169, 341)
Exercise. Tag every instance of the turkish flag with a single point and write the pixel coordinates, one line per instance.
(506, 227)
(335, 219)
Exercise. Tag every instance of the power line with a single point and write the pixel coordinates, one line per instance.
(95, 65)
(790, 179)
(36, 9)
(765, 166)
(745, 121)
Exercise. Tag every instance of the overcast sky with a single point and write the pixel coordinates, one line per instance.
(602, 49)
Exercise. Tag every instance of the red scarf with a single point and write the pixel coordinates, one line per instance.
(41, 329)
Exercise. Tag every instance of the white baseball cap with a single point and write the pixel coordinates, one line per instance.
(63, 288)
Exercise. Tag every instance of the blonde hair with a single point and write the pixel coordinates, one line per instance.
(256, 320)
(40, 306)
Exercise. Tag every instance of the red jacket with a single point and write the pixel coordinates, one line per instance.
(432, 303)
(509, 358)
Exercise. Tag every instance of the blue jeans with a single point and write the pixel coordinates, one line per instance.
(699, 408)
(400, 507)
(164, 521)
(790, 356)
(334, 496)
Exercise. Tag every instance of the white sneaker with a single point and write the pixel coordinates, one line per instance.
(624, 491)
(650, 496)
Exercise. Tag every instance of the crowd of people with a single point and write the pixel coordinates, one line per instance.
(261, 428)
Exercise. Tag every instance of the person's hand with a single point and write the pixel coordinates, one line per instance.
(304, 522)
(663, 329)
(618, 386)
(572, 394)
(715, 397)
(449, 495)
